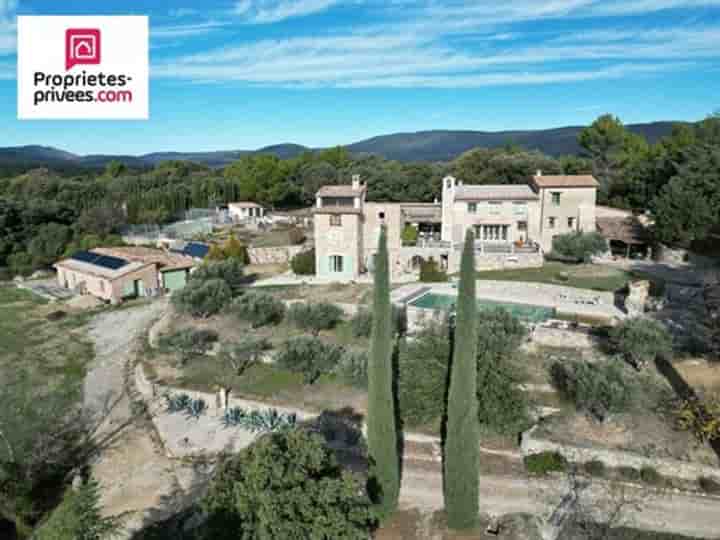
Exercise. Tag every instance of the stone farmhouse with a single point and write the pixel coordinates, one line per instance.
(514, 225)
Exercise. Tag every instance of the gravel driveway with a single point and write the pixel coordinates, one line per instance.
(138, 479)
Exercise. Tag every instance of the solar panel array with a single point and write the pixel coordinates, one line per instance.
(197, 250)
(104, 261)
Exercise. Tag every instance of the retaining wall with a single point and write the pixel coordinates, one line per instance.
(273, 255)
(672, 468)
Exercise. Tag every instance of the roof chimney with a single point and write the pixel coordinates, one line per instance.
(538, 173)
(356, 181)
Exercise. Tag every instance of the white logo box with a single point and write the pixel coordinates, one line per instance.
(123, 51)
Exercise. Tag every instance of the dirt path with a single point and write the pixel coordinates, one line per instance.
(137, 478)
(665, 512)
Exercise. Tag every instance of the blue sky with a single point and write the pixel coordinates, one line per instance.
(241, 74)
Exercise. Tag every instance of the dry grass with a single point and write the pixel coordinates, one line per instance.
(699, 373)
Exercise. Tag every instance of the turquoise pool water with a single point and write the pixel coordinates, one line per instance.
(523, 312)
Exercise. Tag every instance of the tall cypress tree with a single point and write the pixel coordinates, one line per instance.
(382, 434)
(461, 443)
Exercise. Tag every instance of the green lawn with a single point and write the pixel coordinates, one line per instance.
(582, 276)
(53, 352)
(275, 238)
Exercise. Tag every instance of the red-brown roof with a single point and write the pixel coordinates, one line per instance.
(566, 181)
(163, 259)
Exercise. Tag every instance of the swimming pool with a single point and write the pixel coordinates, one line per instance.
(523, 312)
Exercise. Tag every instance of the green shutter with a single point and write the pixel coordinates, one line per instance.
(324, 268)
(174, 280)
(348, 268)
(129, 289)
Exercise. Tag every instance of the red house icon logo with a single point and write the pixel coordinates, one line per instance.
(82, 46)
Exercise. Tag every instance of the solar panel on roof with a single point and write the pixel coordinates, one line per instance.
(103, 261)
(108, 261)
(197, 250)
(84, 256)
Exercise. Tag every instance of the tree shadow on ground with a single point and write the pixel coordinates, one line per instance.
(682, 389)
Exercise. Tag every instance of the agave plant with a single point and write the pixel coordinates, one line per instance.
(258, 421)
(234, 417)
(177, 403)
(196, 408)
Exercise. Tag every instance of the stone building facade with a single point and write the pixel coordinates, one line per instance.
(513, 224)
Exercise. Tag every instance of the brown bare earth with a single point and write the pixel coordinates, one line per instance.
(699, 373)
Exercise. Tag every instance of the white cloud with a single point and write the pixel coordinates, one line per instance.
(185, 30)
(270, 11)
(453, 43)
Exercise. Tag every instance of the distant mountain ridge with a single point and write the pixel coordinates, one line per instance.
(436, 145)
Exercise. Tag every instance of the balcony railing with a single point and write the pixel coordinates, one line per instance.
(503, 247)
(423, 243)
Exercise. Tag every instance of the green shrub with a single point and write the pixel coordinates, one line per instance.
(629, 474)
(315, 317)
(430, 272)
(409, 235)
(361, 323)
(259, 309)
(650, 476)
(544, 463)
(79, 517)
(423, 374)
(579, 246)
(502, 404)
(709, 485)
(594, 468)
(640, 340)
(600, 389)
(240, 356)
(286, 485)
(303, 264)
(202, 298)
(353, 368)
(309, 356)
(231, 271)
(235, 249)
(188, 343)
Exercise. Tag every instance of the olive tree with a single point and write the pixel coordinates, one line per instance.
(287, 485)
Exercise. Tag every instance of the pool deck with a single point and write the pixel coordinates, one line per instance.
(566, 300)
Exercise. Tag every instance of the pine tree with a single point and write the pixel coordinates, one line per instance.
(79, 517)
(461, 444)
(382, 434)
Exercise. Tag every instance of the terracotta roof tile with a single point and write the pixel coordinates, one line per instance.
(163, 259)
(566, 181)
(341, 191)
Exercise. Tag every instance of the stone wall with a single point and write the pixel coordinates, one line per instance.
(507, 261)
(665, 254)
(672, 468)
(273, 255)
(560, 337)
